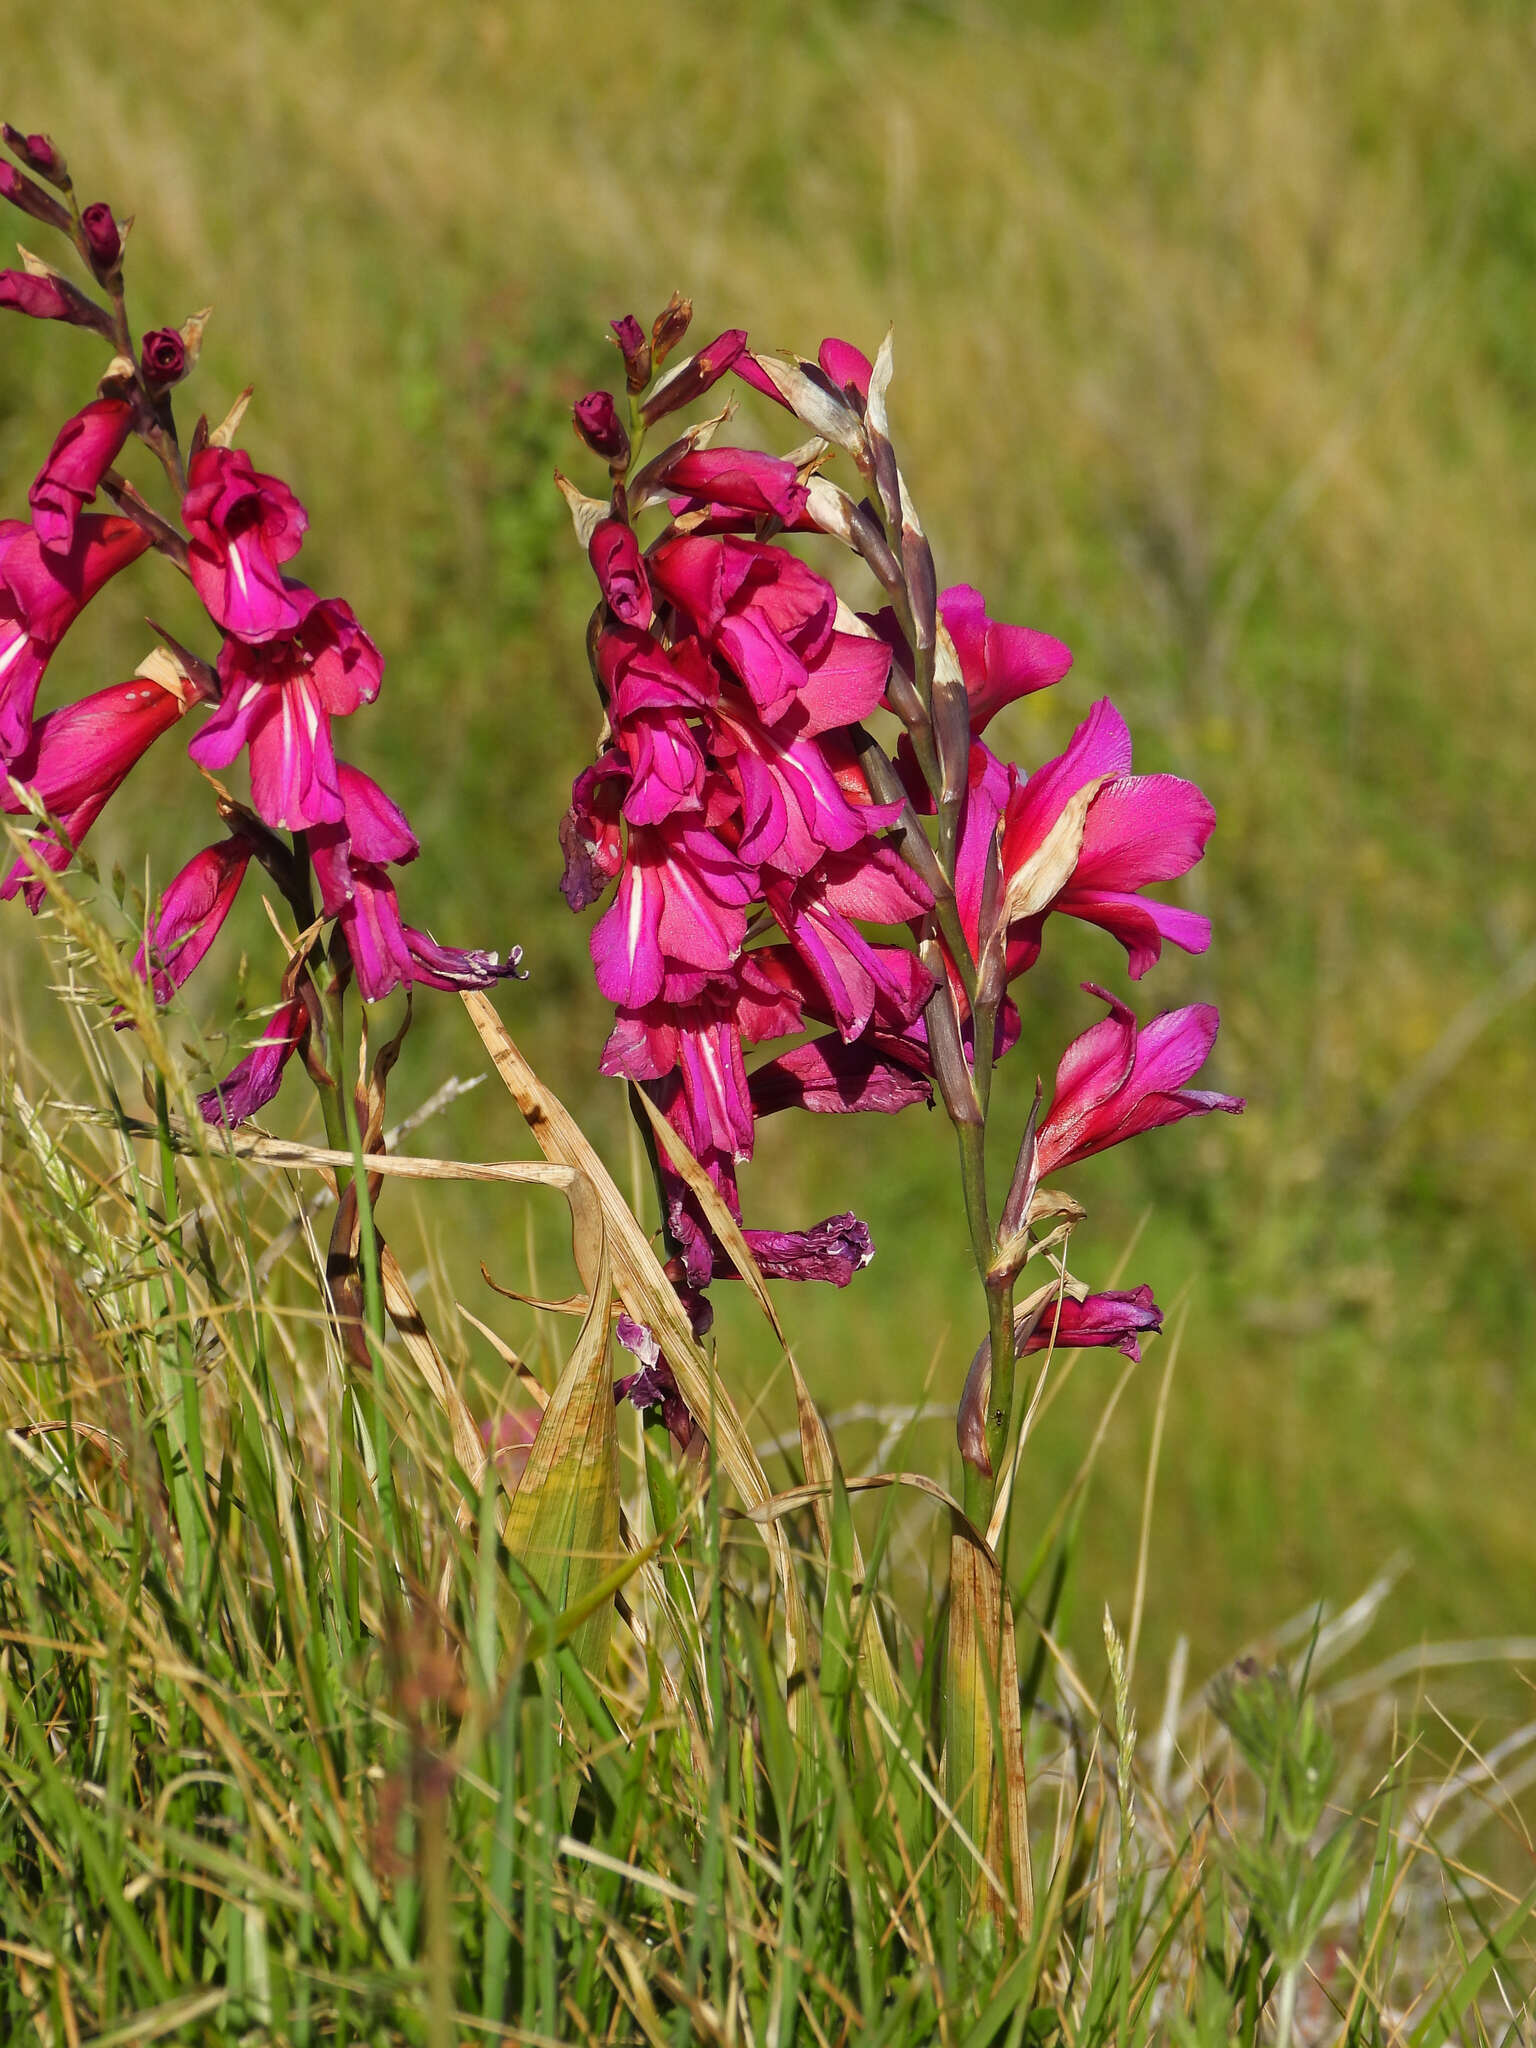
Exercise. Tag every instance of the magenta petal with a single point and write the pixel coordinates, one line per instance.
(620, 568)
(1100, 746)
(625, 947)
(346, 666)
(293, 766)
(1143, 828)
(715, 1086)
(253, 1083)
(740, 477)
(847, 366)
(1139, 922)
(845, 685)
(219, 741)
(85, 450)
(831, 1077)
(875, 884)
(999, 663)
(376, 827)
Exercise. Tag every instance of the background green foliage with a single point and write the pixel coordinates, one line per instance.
(1216, 356)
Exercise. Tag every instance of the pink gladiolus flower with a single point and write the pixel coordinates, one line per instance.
(768, 615)
(279, 699)
(251, 1084)
(1117, 1318)
(191, 913)
(682, 896)
(76, 760)
(349, 858)
(41, 596)
(241, 525)
(52, 298)
(1119, 1079)
(999, 663)
(86, 449)
(1139, 829)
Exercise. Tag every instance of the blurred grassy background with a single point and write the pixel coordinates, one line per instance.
(1216, 356)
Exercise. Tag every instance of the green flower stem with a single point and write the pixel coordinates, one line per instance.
(189, 1483)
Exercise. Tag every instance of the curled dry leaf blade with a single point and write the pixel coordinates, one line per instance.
(648, 1295)
(563, 1523)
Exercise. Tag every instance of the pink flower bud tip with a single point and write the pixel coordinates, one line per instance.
(599, 425)
(102, 238)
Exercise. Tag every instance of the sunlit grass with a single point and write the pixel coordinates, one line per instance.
(1214, 346)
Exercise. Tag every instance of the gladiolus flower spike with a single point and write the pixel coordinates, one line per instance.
(765, 849)
(289, 664)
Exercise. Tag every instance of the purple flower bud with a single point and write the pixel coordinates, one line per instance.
(38, 154)
(598, 423)
(31, 198)
(102, 240)
(635, 349)
(669, 327)
(690, 380)
(616, 557)
(163, 355)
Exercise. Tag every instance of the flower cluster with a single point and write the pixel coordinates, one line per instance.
(769, 857)
(290, 663)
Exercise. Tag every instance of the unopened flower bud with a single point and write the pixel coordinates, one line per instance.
(38, 154)
(31, 199)
(598, 423)
(635, 349)
(691, 379)
(163, 354)
(102, 240)
(669, 327)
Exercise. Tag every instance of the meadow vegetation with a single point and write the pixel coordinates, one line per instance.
(1215, 341)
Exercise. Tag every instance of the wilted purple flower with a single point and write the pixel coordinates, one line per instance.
(191, 913)
(653, 1389)
(1115, 1318)
(252, 1083)
(86, 448)
(241, 525)
(41, 595)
